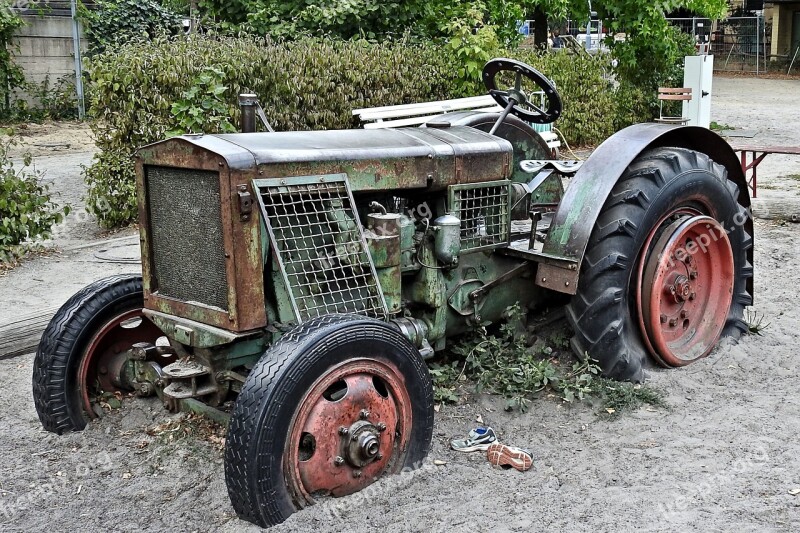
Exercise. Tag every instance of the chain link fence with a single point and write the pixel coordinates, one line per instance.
(738, 43)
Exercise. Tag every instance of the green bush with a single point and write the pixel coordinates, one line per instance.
(27, 212)
(112, 23)
(52, 101)
(143, 91)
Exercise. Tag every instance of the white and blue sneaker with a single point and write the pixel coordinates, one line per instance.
(479, 439)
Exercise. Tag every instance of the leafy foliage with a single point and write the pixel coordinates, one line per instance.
(11, 76)
(115, 22)
(505, 364)
(653, 51)
(27, 212)
(202, 108)
(53, 101)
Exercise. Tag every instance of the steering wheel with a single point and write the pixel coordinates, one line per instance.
(514, 100)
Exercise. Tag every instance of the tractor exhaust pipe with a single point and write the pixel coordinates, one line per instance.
(248, 104)
(251, 110)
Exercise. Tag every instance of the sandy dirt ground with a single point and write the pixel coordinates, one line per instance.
(723, 457)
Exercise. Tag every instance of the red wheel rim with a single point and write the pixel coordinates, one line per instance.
(106, 354)
(351, 427)
(685, 290)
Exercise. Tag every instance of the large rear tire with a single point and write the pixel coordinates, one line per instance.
(336, 403)
(630, 301)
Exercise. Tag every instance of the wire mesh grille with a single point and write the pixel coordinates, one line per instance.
(320, 248)
(483, 211)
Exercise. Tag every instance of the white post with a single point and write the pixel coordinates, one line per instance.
(76, 44)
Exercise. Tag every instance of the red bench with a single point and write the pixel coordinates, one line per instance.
(758, 153)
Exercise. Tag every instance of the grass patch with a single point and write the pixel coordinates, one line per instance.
(505, 362)
(716, 126)
(755, 322)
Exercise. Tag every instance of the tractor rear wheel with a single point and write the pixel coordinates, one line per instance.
(84, 346)
(665, 272)
(335, 404)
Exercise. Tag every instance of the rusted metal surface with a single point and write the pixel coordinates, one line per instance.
(584, 198)
(527, 143)
(103, 362)
(373, 160)
(686, 290)
(350, 428)
(241, 238)
(383, 242)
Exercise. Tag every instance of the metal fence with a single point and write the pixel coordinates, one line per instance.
(738, 43)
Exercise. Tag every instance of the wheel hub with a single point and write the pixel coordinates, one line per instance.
(686, 289)
(363, 445)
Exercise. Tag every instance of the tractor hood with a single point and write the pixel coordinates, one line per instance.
(372, 159)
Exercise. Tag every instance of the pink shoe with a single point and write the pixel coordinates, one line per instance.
(509, 457)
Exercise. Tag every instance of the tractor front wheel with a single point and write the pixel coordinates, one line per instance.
(84, 347)
(335, 404)
(665, 273)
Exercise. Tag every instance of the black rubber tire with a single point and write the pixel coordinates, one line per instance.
(603, 312)
(269, 398)
(64, 343)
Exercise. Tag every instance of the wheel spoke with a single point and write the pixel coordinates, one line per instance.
(518, 82)
(536, 108)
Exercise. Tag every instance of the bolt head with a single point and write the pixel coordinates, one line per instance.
(691, 296)
(381, 426)
(673, 322)
(684, 314)
(663, 319)
(354, 438)
(364, 414)
(379, 457)
(357, 473)
(339, 461)
(343, 430)
(693, 274)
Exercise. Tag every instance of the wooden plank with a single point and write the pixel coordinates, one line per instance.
(786, 150)
(477, 101)
(412, 121)
(427, 109)
(787, 209)
(22, 336)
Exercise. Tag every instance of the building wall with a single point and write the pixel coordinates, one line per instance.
(782, 17)
(45, 48)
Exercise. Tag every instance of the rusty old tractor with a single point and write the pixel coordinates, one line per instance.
(295, 282)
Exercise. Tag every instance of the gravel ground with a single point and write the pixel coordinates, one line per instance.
(724, 456)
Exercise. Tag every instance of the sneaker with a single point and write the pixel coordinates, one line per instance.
(509, 457)
(479, 439)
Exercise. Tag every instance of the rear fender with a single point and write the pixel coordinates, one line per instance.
(583, 200)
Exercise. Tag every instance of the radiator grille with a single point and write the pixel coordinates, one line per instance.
(320, 246)
(188, 251)
(484, 213)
